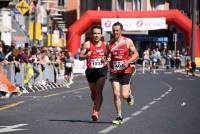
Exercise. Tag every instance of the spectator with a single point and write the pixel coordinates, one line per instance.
(146, 60)
(2, 55)
(190, 67)
(65, 58)
(154, 60)
(177, 59)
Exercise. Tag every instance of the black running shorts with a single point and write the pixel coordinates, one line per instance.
(68, 71)
(93, 74)
(123, 79)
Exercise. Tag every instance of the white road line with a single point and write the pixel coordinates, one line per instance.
(191, 79)
(12, 128)
(145, 107)
(126, 119)
(152, 102)
(74, 90)
(167, 72)
(166, 92)
(163, 95)
(157, 99)
(108, 129)
(136, 113)
(170, 90)
(179, 78)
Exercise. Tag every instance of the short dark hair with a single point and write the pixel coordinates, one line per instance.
(96, 27)
(118, 24)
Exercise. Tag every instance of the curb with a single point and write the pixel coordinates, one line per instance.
(44, 85)
(197, 73)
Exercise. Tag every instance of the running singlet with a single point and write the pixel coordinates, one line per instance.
(95, 59)
(119, 54)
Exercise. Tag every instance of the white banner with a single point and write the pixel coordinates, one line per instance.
(79, 66)
(135, 24)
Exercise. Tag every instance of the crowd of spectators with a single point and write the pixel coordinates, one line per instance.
(31, 54)
(153, 58)
(59, 57)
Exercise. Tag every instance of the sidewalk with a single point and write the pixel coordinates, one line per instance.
(182, 71)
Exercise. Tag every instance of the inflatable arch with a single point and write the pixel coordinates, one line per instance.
(91, 17)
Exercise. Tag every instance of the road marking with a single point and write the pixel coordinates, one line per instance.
(191, 79)
(163, 95)
(170, 90)
(11, 105)
(50, 95)
(157, 99)
(179, 78)
(152, 102)
(167, 72)
(110, 128)
(106, 130)
(145, 107)
(166, 92)
(136, 113)
(75, 90)
(182, 79)
(12, 128)
(126, 119)
(35, 97)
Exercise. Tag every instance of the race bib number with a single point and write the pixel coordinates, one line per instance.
(96, 63)
(118, 65)
(68, 64)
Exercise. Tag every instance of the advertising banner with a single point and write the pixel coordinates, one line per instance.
(135, 24)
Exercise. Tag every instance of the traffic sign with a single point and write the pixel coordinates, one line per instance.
(22, 7)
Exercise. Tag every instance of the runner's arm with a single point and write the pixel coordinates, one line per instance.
(85, 51)
(108, 52)
(133, 50)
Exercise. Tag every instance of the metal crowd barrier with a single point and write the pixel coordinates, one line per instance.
(35, 77)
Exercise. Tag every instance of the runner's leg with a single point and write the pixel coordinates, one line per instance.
(117, 102)
(99, 89)
(126, 91)
(95, 114)
(93, 91)
(116, 93)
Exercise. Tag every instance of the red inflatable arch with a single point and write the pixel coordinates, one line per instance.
(94, 17)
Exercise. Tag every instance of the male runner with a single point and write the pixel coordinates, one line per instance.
(122, 53)
(94, 52)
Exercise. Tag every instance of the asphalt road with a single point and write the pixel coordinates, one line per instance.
(166, 103)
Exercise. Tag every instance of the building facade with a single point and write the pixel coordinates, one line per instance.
(61, 14)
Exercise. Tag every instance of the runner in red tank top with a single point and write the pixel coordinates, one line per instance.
(94, 51)
(122, 53)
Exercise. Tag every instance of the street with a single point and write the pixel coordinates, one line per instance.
(165, 103)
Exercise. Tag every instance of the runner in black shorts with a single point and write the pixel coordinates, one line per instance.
(122, 53)
(123, 79)
(94, 74)
(94, 51)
